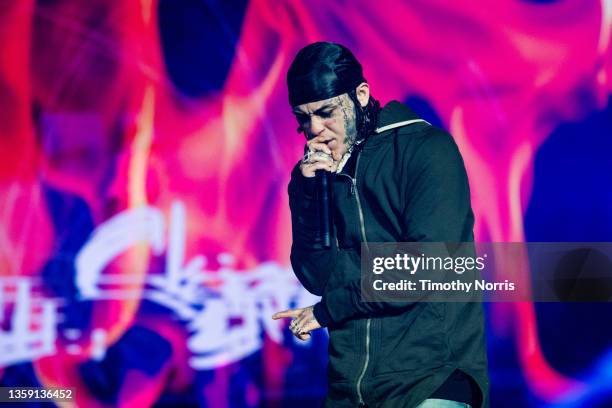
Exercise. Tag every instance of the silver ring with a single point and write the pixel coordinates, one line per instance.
(308, 156)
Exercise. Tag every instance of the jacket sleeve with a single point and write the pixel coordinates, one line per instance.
(311, 261)
(437, 209)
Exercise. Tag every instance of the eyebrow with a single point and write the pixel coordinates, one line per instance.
(321, 109)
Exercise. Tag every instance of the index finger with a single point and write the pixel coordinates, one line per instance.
(318, 145)
(286, 313)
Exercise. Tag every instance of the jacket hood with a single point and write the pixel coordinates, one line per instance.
(394, 112)
(393, 115)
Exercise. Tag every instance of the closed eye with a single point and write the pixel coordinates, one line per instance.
(301, 118)
(326, 114)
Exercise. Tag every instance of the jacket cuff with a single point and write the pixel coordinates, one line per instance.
(308, 186)
(321, 314)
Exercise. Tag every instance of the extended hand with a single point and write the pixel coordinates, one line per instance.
(303, 321)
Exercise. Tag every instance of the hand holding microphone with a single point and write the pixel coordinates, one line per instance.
(317, 160)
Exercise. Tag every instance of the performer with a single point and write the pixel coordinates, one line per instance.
(395, 178)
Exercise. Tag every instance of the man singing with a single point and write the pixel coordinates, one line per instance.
(395, 178)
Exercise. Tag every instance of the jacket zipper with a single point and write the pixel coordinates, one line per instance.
(365, 241)
(368, 321)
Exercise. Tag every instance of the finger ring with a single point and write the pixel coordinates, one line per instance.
(307, 157)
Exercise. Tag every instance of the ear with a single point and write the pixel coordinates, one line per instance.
(363, 94)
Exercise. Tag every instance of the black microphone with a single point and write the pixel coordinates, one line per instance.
(324, 193)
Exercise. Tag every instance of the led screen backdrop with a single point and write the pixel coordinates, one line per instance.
(145, 150)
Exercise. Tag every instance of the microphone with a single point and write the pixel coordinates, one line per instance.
(324, 193)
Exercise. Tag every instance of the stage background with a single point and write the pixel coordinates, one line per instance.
(145, 151)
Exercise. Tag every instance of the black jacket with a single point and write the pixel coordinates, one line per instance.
(405, 183)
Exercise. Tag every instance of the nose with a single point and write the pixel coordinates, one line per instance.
(316, 126)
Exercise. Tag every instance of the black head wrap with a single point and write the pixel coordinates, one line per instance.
(323, 70)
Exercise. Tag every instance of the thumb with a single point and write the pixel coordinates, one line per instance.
(304, 336)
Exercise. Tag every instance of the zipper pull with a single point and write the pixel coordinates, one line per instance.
(352, 188)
